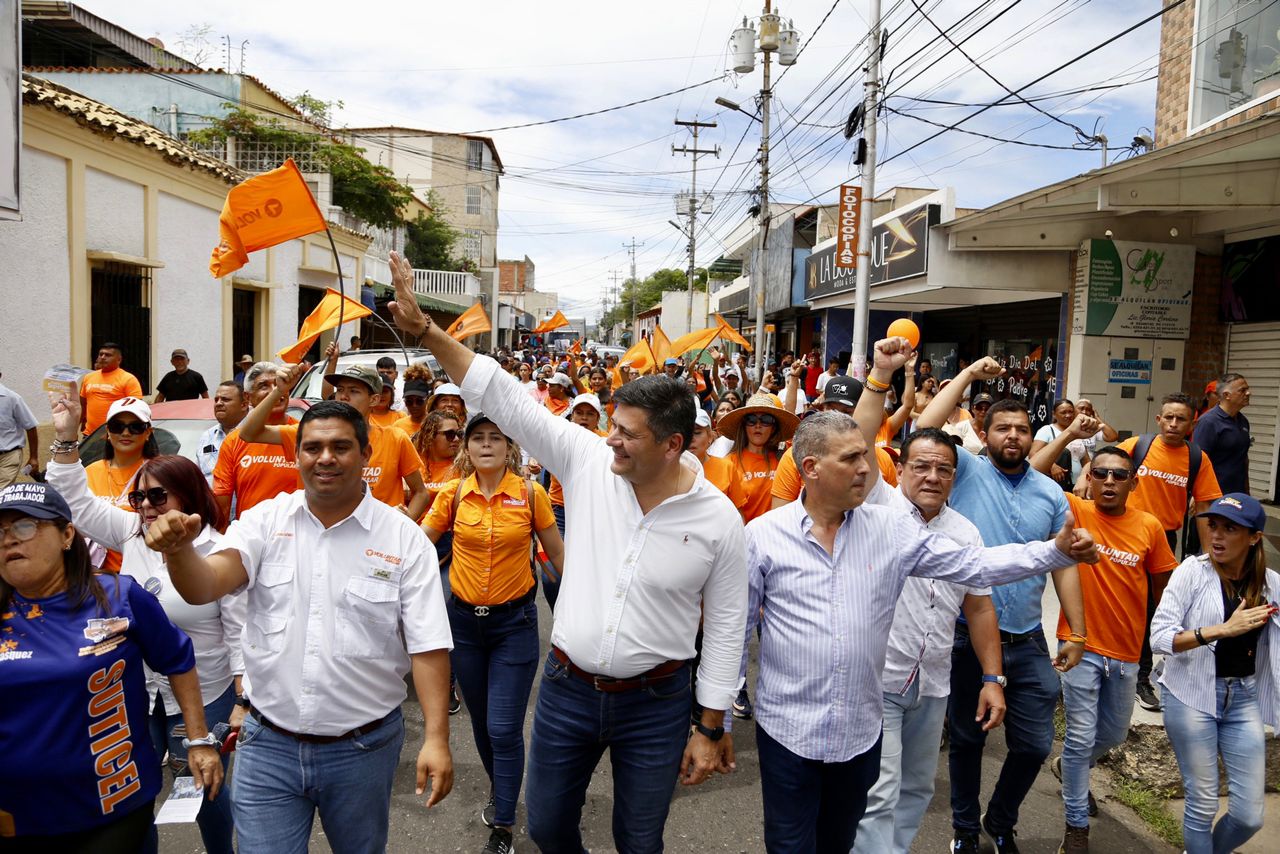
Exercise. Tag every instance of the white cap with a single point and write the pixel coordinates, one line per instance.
(561, 380)
(587, 398)
(132, 405)
(447, 388)
(702, 419)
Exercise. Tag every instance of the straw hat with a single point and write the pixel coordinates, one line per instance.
(761, 404)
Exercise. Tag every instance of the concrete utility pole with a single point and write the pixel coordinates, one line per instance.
(635, 286)
(694, 204)
(766, 94)
(615, 276)
(862, 292)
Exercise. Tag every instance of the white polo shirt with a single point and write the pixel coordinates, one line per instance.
(326, 607)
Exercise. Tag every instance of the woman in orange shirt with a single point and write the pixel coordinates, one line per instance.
(757, 430)
(438, 442)
(494, 514)
(129, 443)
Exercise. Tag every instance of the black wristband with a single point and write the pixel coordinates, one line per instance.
(1200, 638)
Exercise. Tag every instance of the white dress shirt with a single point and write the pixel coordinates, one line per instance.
(633, 582)
(924, 620)
(326, 608)
(214, 628)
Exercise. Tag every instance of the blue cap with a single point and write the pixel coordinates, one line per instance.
(38, 500)
(1239, 508)
(672, 361)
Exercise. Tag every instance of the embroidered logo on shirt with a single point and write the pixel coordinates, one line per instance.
(513, 502)
(283, 534)
(395, 560)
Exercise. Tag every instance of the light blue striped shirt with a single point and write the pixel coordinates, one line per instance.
(827, 617)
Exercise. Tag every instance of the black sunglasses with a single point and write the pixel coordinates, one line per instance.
(157, 495)
(753, 419)
(451, 435)
(137, 428)
(1121, 475)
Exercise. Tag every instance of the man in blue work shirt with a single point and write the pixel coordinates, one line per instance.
(1009, 502)
(1223, 434)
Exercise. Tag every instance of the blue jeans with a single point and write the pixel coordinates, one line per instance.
(811, 805)
(645, 732)
(495, 659)
(1031, 697)
(1234, 732)
(908, 764)
(215, 822)
(281, 782)
(1098, 696)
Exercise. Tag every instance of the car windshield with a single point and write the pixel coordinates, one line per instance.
(309, 386)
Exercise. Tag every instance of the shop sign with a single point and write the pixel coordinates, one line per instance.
(1130, 371)
(847, 226)
(1134, 290)
(899, 250)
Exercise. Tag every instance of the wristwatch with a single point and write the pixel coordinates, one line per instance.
(210, 740)
(999, 680)
(243, 701)
(713, 734)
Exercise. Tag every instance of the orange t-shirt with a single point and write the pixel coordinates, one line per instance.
(1130, 547)
(385, 419)
(254, 471)
(1162, 482)
(754, 475)
(884, 434)
(112, 486)
(100, 390)
(436, 473)
(719, 472)
(491, 537)
(787, 481)
(392, 458)
(408, 425)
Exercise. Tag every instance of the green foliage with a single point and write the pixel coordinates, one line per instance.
(428, 241)
(648, 293)
(1151, 808)
(313, 108)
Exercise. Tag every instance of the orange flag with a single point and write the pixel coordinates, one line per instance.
(696, 340)
(323, 318)
(660, 344)
(640, 357)
(473, 321)
(555, 322)
(576, 347)
(265, 210)
(729, 334)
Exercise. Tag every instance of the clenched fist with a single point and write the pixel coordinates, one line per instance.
(172, 531)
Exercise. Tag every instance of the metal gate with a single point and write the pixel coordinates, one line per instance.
(1253, 350)
(119, 313)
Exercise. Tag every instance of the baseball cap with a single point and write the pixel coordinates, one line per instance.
(702, 419)
(672, 361)
(558, 379)
(179, 352)
(842, 390)
(588, 398)
(132, 405)
(982, 398)
(37, 500)
(475, 421)
(417, 388)
(448, 388)
(1239, 508)
(366, 374)
(1211, 387)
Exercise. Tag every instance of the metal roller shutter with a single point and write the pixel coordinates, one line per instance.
(1253, 350)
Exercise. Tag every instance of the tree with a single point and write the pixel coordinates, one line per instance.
(313, 108)
(194, 45)
(428, 240)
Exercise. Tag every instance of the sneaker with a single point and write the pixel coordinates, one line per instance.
(489, 811)
(1004, 842)
(742, 706)
(500, 842)
(1147, 696)
(1075, 841)
(1056, 767)
(455, 702)
(965, 843)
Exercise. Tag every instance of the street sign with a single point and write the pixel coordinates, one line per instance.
(847, 226)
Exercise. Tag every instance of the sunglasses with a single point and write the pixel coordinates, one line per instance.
(137, 428)
(753, 419)
(1120, 475)
(22, 529)
(157, 495)
(451, 435)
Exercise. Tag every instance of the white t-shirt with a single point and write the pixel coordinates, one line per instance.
(824, 378)
(1075, 447)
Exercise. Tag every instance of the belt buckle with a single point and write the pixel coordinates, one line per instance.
(482, 610)
(596, 679)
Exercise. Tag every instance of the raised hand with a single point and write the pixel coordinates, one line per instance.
(891, 354)
(404, 308)
(985, 368)
(172, 531)
(287, 376)
(1083, 426)
(66, 416)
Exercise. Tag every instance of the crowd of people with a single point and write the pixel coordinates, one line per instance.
(886, 543)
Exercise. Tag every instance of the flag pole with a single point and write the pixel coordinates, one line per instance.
(342, 303)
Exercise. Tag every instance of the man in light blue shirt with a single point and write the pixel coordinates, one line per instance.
(230, 408)
(15, 421)
(1009, 502)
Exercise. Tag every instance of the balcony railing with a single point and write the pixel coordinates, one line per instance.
(460, 288)
(256, 157)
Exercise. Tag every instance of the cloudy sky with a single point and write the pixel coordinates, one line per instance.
(576, 191)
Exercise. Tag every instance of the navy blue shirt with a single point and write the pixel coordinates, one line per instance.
(74, 748)
(1226, 440)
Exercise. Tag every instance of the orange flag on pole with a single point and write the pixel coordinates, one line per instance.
(554, 322)
(265, 210)
(696, 340)
(324, 317)
(576, 347)
(473, 321)
(729, 334)
(639, 356)
(660, 344)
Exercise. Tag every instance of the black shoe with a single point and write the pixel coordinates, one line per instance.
(455, 702)
(1093, 806)
(1147, 696)
(1075, 840)
(742, 706)
(489, 811)
(965, 843)
(500, 842)
(1004, 841)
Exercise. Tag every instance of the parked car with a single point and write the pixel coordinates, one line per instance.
(177, 426)
(308, 388)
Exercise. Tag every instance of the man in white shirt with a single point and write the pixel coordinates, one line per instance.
(651, 545)
(335, 579)
(833, 370)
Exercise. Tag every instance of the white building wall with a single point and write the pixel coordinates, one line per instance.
(186, 300)
(286, 258)
(33, 289)
(114, 214)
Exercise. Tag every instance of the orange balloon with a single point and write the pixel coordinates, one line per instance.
(905, 328)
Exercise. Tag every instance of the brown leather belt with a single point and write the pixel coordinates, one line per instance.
(320, 739)
(609, 684)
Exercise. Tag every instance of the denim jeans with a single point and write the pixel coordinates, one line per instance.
(645, 732)
(908, 764)
(811, 805)
(1098, 695)
(281, 783)
(1234, 732)
(215, 822)
(495, 659)
(1031, 697)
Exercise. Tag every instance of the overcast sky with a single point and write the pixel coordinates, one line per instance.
(575, 191)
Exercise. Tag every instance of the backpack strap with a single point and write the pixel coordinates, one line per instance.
(1194, 457)
(1140, 450)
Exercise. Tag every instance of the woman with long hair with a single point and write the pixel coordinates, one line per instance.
(130, 441)
(601, 385)
(757, 430)
(494, 515)
(76, 772)
(1217, 624)
(728, 401)
(162, 484)
(437, 442)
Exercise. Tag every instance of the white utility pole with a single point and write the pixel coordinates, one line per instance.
(762, 242)
(862, 293)
(694, 205)
(635, 286)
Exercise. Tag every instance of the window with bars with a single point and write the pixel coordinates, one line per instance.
(475, 155)
(120, 312)
(473, 199)
(471, 245)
